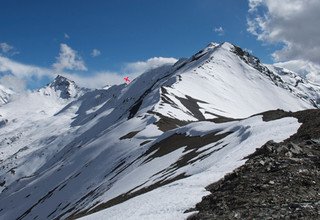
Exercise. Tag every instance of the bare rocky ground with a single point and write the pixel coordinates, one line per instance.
(278, 181)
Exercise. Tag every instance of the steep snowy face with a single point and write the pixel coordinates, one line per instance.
(225, 81)
(28, 123)
(302, 88)
(62, 87)
(220, 81)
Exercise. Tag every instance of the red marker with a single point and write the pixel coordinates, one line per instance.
(127, 79)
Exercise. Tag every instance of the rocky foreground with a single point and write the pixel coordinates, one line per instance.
(279, 181)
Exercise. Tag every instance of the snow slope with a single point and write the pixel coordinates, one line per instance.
(70, 152)
(223, 83)
(30, 127)
(170, 201)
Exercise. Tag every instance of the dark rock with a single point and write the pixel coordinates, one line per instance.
(278, 181)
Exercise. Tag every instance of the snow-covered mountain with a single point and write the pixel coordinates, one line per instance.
(5, 94)
(62, 88)
(147, 149)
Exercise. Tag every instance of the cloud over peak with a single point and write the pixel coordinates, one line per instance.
(69, 59)
(133, 70)
(219, 31)
(18, 74)
(22, 70)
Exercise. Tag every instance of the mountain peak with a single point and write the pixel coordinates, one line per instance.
(63, 87)
(61, 80)
(212, 45)
(225, 45)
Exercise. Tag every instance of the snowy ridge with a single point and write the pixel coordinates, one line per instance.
(224, 84)
(66, 152)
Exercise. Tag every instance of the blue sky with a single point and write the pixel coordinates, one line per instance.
(122, 31)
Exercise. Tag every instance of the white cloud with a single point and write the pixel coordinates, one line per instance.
(16, 75)
(22, 70)
(68, 59)
(132, 70)
(14, 83)
(139, 67)
(7, 49)
(95, 53)
(66, 36)
(219, 31)
(16, 72)
(96, 80)
(294, 23)
(253, 5)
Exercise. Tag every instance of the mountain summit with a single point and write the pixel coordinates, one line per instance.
(147, 149)
(62, 87)
(221, 80)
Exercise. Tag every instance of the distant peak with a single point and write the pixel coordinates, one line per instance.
(225, 45)
(61, 82)
(213, 46)
(64, 87)
(60, 79)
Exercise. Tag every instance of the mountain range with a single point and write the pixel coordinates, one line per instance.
(149, 149)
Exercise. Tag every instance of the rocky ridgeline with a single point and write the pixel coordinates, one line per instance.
(278, 181)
